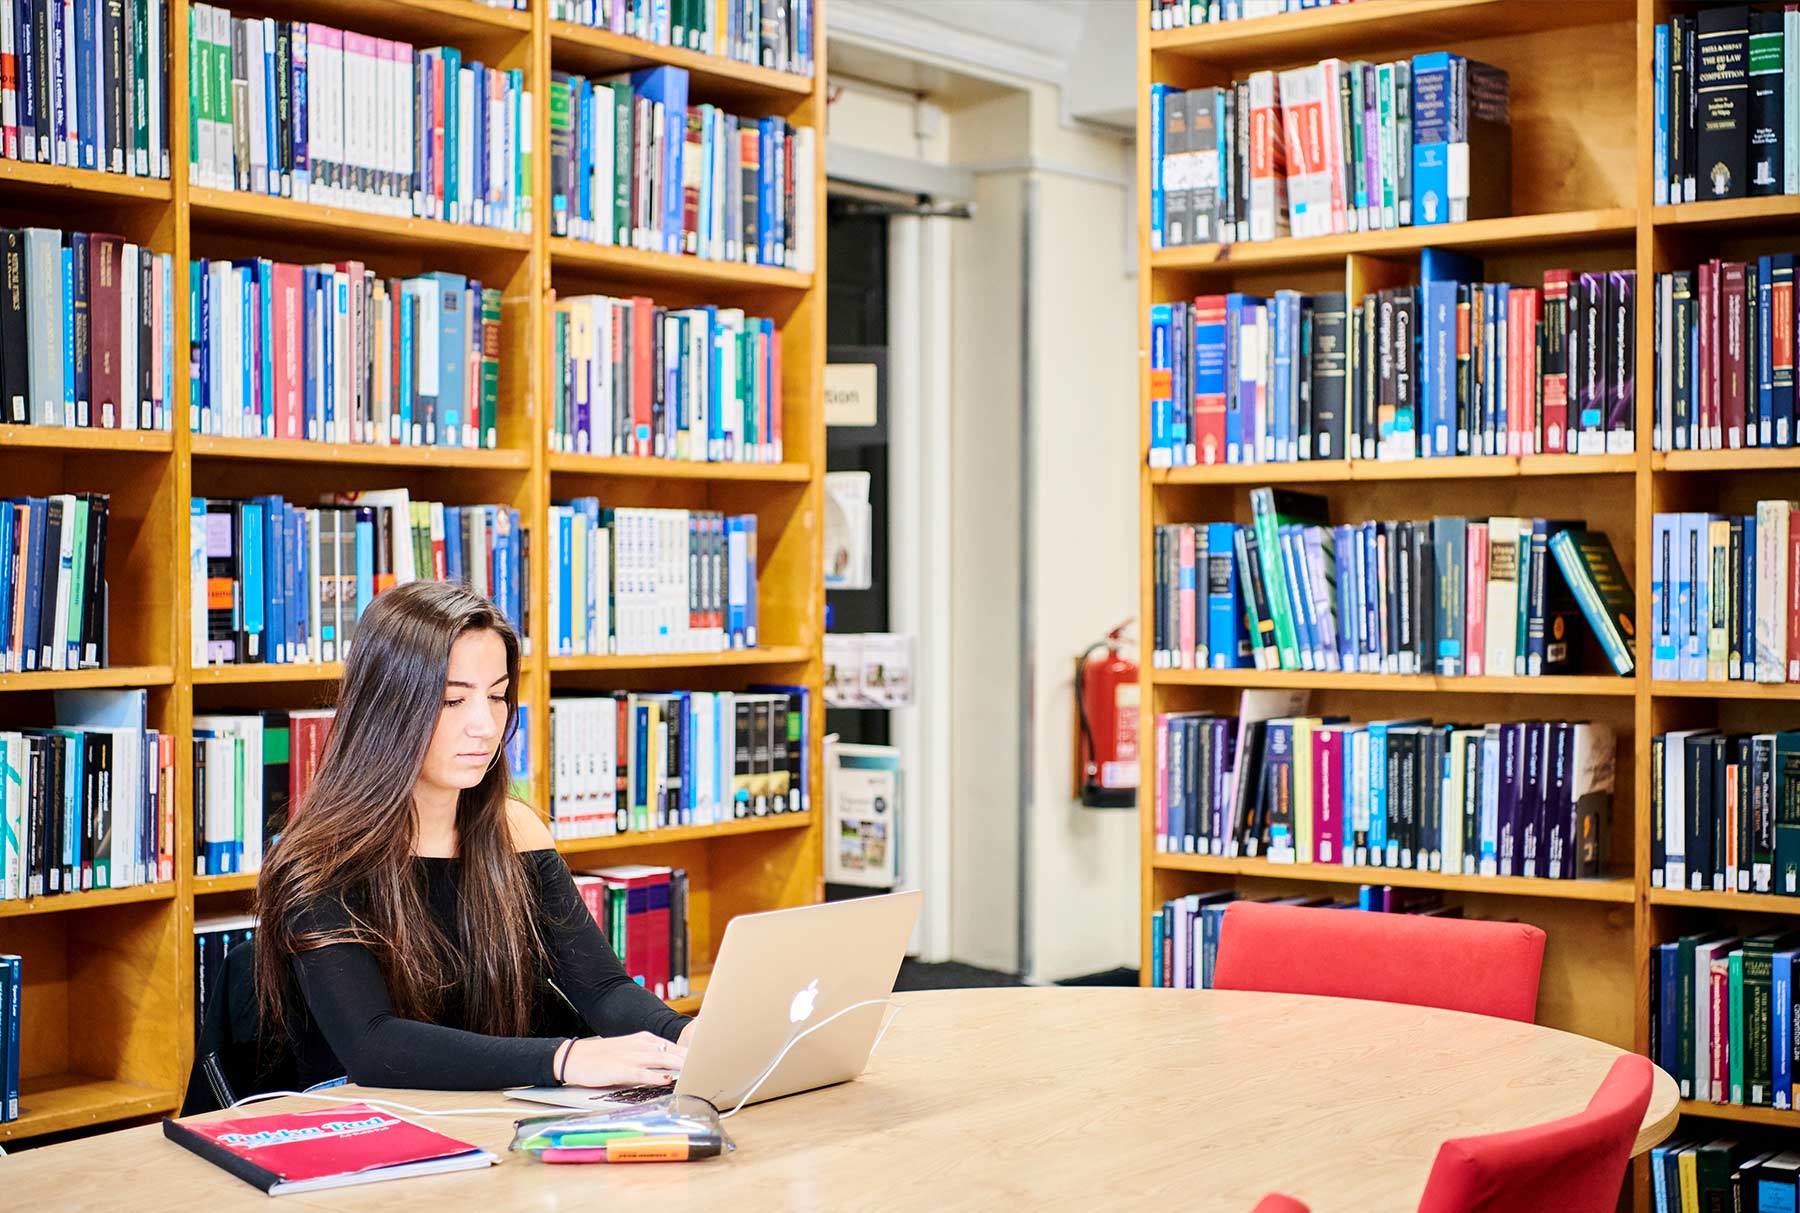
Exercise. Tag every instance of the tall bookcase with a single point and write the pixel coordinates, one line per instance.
(109, 999)
(1583, 154)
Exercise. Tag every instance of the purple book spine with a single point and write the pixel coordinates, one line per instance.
(1558, 804)
(1511, 735)
(1621, 412)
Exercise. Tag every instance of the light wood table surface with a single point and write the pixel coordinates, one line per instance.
(990, 1099)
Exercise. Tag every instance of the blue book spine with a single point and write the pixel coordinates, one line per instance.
(1747, 634)
(1378, 837)
(1276, 439)
(1228, 640)
(253, 594)
(1781, 1029)
(1512, 753)
(301, 177)
(408, 320)
(452, 355)
(264, 270)
(68, 327)
(1765, 381)
(1297, 573)
(75, 779)
(1661, 59)
(1344, 544)
(1437, 366)
(8, 657)
(87, 15)
(1668, 1006)
(453, 530)
(275, 554)
(1663, 661)
(1536, 579)
(1682, 626)
(1158, 97)
(15, 985)
(302, 587)
(1162, 319)
(565, 569)
(37, 563)
(1234, 408)
(365, 560)
(1156, 941)
(1431, 105)
(454, 191)
(271, 132)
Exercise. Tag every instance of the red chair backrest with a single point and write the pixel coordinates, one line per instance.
(1572, 1165)
(1490, 968)
(1275, 1202)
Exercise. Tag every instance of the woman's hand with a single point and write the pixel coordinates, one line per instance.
(640, 1059)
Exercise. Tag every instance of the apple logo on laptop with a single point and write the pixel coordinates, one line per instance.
(801, 1009)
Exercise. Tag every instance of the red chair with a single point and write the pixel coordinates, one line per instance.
(1490, 968)
(1572, 1165)
(1275, 1202)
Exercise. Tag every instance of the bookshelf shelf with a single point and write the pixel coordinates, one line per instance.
(1612, 890)
(1388, 25)
(780, 654)
(125, 962)
(670, 269)
(690, 1004)
(1706, 899)
(299, 450)
(55, 1102)
(59, 438)
(675, 834)
(26, 178)
(1751, 459)
(285, 218)
(237, 882)
(625, 467)
(1726, 690)
(1561, 684)
(63, 902)
(1777, 211)
(1739, 1112)
(1471, 467)
(110, 676)
(582, 48)
(1571, 229)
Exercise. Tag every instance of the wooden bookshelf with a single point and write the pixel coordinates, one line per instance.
(1582, 197)
(1740, 1113)
(109, 1000)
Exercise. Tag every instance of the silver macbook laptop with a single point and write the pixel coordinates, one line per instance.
(777, 974)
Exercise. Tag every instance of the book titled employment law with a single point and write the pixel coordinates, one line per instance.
(324, 1148)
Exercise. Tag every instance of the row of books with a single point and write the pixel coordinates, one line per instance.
(87, 331)
(1336, 146)
(634, 762)
(1448, 595)
(776, 34)
(12, 992)
(86, 85)
(1723, 588)
(1725, 811)
(631, 378)
(1727, 108)
(87, 803)
(282, 583)
(1725, 355)
(643, 912)
(638, 580)
(53, 600)
(337, 353)
(1527, 798)
(214, 937)
(633, 165)
(297, 109)
(251, 772)
(1722, 1016)
(1185, 931)
(1175, 14)
(1454, 367)
(1697, 1175)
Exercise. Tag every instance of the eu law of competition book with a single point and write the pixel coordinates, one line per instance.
(338, 353)
(298, 109)
(1330, 147)
(634, 164)
(281, 583)
(331, 1147)
(632, 378)
(1727, 103)
(86, 802)
(1456, 366)
(634, 762)
(87, 331)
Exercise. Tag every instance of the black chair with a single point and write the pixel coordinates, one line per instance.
(231, 1060)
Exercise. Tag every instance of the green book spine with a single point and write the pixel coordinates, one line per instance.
(1591, 570)
(490, 368)
(1268, 542)
(1735, 976)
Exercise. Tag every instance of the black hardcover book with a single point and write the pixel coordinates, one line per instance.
(1690, 111)
(1530, 816)
(1659, 849)
(1174, 170)
(37, 815)
(100, 758)
(1722, 100)
(1741, 751)
(63, 861)
(1403, 792)
(47, 65)
(283, 151)
(15, 389)
(1719, 754)
(27, 68)
(1405, 598)
(93, 642)
(1406, 354)
(200, 785)
(1386, 351)
(1765, 85)
(1330, 366)
(1369, 393)
(1681, 410)
(86, 851)
(1425, 586)
(1697, 796)
(113, 50)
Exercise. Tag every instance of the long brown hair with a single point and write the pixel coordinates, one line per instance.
(351, 839)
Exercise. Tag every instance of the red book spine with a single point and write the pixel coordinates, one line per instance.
(1185, 598)
(1162, 776)
(1707, 352)
(1475, 624)
(775, 394)
(656, 925)
(1515, 367)
(165, 859)
(1327, 773)
(106, 385)
(1209, 407)
(1557, 322)
(288, 313)
(1731, 376)
(1793, 580)
(643, 346)
(398, 432)
(1531, 432)
(622, 767)
(1720, 1045)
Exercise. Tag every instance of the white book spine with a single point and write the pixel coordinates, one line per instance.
(1790, 107)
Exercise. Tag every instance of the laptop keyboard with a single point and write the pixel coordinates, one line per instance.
(636, 1095)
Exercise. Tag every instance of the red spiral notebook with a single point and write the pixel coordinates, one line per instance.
(328, 1148)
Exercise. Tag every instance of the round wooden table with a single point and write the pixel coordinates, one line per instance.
(1013, 1098)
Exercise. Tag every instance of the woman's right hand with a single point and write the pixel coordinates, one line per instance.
(641, 1059)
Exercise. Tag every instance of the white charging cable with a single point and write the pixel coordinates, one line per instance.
(391, 1104)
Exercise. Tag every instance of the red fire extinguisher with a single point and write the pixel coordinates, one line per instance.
(1106, 702)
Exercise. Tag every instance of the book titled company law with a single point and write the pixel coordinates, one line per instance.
(324, 1148)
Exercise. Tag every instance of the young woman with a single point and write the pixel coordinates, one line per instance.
(418, 928)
